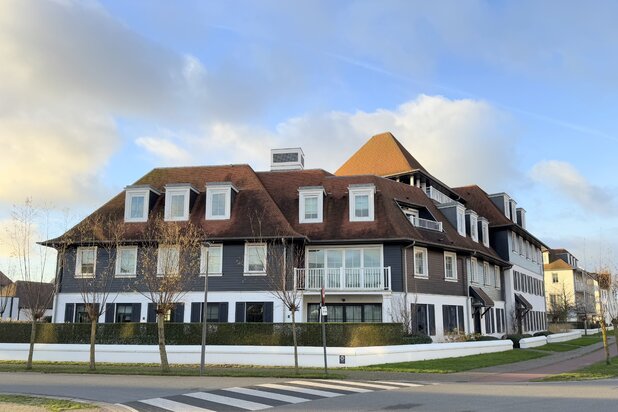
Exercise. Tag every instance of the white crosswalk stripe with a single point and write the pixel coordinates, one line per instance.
(294, 392)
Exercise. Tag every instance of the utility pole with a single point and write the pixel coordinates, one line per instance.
(205, 314)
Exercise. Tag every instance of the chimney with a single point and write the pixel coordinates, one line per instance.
(287, 159)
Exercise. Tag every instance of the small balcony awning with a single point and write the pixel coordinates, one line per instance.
(480, 298)
(522, 303)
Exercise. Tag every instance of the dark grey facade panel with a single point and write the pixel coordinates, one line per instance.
(393, 257)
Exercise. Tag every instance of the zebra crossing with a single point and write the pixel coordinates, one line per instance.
(263, 396)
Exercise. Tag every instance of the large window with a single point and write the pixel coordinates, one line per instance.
(424, 319)
(420, 262)
(255, 258)
(310, 205)
(346, 312)
(124, 313)
(215, 260)
(490, 325)
(126, 261)
(216, 312)
(453, 319)
(137, 207)
(500, 325)
(168, 260)
(450, 266)
(136, 204)
(85, 266)
(254, 312)
(177, 201)
(81, 315)
(177, 208)
(361, 203)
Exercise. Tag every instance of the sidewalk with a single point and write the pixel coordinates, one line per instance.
(558, 362)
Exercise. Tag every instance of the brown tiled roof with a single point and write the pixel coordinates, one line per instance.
(4, 280)
(382, 155)
(558, 264)
(478, 200)
(39, 293)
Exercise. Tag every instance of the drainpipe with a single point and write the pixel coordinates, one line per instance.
(405, 274)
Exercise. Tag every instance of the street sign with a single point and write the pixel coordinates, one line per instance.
(324, 311)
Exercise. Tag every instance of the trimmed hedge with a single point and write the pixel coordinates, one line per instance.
(263, 334)
(543, 333)
(417, 339)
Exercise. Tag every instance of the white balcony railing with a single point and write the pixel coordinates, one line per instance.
(349, 279)
(426, 223)
(437, 195)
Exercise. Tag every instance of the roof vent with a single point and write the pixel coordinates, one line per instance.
(287, 159)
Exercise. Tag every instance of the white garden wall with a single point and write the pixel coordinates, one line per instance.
(563, 337)
(254, 355)
(527, 343)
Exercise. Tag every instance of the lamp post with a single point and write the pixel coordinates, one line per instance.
(205, 313)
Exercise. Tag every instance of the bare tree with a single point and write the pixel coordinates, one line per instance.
(170, 263)
(604, 279)
(561, 305)
(612, 305)
(29, 221)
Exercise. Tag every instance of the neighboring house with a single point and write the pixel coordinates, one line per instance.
(565, 281)
(383, 250)
(8, 304)
(16, 298)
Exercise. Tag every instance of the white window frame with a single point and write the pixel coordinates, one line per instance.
(128, 199)
(362, 248)
(119, 251)
(497, 280)
(248, 272)
(486, 274)
(362, 190)
(160, 271)
(303, 194)
(425, 273)
(453, 256)
(78, 262)
(473, 269)
(176, 191)
(203, 260)
(515, 242)
(474, 229)
(507, 207)
(461, 219)
(485, 232)
(218, 188)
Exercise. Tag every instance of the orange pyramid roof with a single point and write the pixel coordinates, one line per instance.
(382, 155)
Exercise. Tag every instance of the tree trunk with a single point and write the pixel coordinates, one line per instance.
(32, 339)
(615, 323)
(295, 341)
(93, 338)
(165, 367)
(605, 345)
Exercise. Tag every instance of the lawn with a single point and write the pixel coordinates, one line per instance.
(597, 371)
(571, 344)
(176, 370)
(464, 363)
(54, 405)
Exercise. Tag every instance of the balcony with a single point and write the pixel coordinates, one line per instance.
(437, 195)
(426, 223)
(343, 279)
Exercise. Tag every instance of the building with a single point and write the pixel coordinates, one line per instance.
(572, 292)
(382, 248)
(16, 299)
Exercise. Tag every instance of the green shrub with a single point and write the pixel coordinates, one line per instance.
(517, 338)
(263, 334)
(543, 333)
(417, 339)
(486, 338)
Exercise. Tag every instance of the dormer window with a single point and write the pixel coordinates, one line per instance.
(461, 220)
(178, 201)
(473, 225)
(219, 197)
(507, 207)
(137, 202)
(484, 231)
(362, 202)
(310, 204)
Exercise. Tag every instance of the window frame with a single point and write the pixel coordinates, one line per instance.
(473, 269)
(486, 274)
(78, 262)
(160, 273)
(246, 271)
(203, 260)
(362, 190)
(425, 254)
(485, 232)
(170, 191)
(474, 229)
(303, 195)
(460, 212)
(224, 188)
(119, 250)
(453, 256)
(497, 277)
(129, 195)
(555, 278)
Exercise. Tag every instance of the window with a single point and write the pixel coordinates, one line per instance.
(126, 261)
(214, 312)
(168, 260)
(361, 203)
(507, 207)
(177, 199)
(515, 244)
(500, 321)
(347, 312)
(473, 268)
(255, 258)
(254, 313)
(522, 250)
(124, 313)
(424, 320)
(420, 262)
(310, 206)
(473, 221)
(136, 203)
(461, 220)
(215, 260)
(219, 200)
(85, 267)
(177, 207)
(485, 232)
(453, 319)
(81, 316)
(487, 275)
(497, 280)
(490, 326)
(450, 266)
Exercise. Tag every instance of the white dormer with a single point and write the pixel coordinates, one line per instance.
(521, 217)
(310, 204)
(219, 197)
(473, 229)
(287, 159)
(461, 219)
(513, 205)
(137, 202)
(178, 198)
(361, 202)
(484, 225)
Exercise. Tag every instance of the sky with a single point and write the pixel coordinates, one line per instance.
(515, 96)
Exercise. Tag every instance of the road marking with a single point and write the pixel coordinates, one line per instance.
(327, 386)
(268, 395)
(173, 405)
(365, 384)
(316, 392)
(402, 384)
(225, 400)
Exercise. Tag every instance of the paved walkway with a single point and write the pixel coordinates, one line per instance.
(557, 362)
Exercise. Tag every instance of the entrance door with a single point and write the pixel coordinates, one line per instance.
(477, 321)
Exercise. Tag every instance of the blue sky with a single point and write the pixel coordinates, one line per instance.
(515, 96)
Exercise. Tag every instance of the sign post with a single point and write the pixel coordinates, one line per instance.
(323, 315)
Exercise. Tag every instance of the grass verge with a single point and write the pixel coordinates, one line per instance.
(597, 371)
(54, 405)
(464, 363)
(175, 370)
(571, 344)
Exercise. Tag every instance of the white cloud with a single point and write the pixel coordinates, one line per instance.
(165, 150)
(566, 181)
